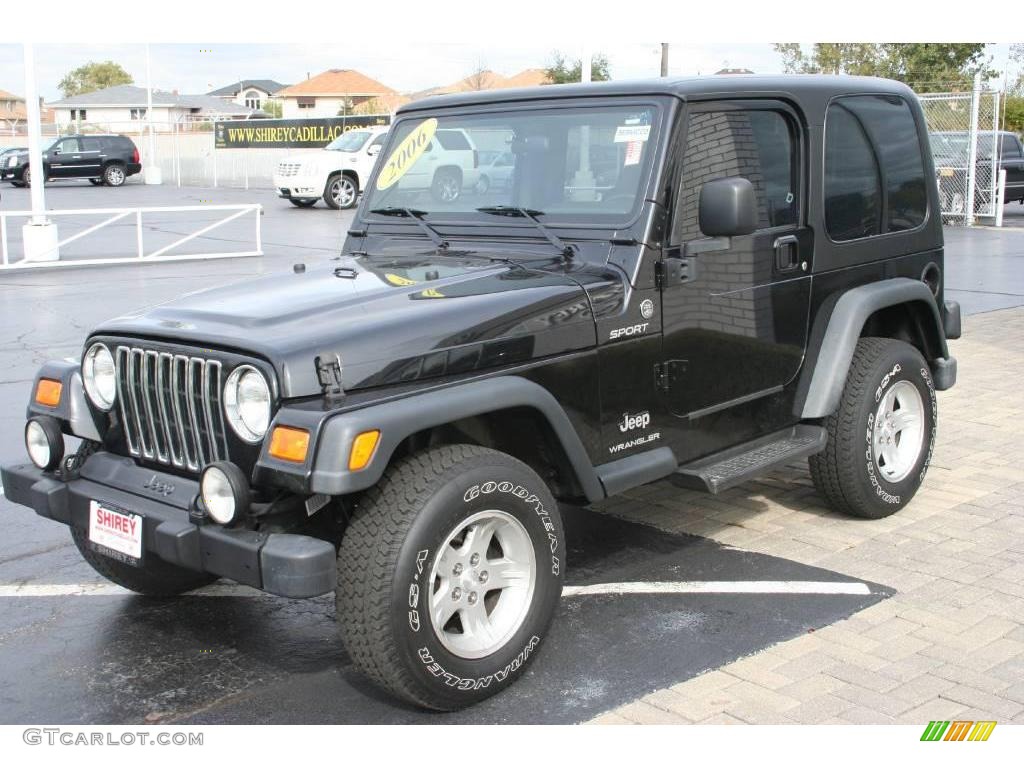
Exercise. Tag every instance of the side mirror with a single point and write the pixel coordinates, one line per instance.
(374, 150)
(727, 207)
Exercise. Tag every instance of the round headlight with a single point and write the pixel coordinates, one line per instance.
(99, 376)
(224, 491)
(247, 403)
(44, 442)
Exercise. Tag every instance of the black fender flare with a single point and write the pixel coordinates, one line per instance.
(839, 340)
(398, 419)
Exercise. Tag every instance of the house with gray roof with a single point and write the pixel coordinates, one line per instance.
(121, 106)
(249, 93)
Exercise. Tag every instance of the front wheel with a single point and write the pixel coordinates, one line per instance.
(881, 437)
(447, 185)
(341, 192)
(449, 575)
(154, 578)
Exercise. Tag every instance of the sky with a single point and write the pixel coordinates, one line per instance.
(202, 67)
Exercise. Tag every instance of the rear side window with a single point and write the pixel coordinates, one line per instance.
(452, 140)
(874, 171)
(90, 144)
(1011, 146)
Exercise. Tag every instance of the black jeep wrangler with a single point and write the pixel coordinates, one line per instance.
(685, 280)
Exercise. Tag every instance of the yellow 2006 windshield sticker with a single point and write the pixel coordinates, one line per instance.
(407, 153)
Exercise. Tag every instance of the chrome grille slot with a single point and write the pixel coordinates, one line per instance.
(171, 407)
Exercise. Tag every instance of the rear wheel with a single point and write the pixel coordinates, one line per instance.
(155, 578)
(114, 175)
(449, 574)
(881, 437)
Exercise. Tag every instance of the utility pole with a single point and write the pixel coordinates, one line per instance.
(39, 236)
(664, 59)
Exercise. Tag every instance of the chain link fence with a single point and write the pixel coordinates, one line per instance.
(962, 131)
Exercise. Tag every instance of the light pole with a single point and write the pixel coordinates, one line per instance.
(583, 179)
(39, 236)
(664, 59)
(151, 174)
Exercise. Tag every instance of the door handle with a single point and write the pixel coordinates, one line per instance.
(787, 252)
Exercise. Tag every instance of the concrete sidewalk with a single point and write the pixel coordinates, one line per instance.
(950, 644)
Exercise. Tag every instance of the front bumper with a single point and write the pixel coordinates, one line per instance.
(283, 564)
(298, 188)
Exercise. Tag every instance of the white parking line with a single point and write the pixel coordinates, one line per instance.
(105, 589)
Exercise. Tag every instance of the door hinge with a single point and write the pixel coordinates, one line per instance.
(666, 373)
(328, 375)
(673, 271)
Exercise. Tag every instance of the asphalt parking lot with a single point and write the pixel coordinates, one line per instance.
(72, 652)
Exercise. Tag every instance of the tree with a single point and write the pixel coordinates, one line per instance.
(560, 70)
(273, 107)
(926, 67)
(480, 79)
(92, 77)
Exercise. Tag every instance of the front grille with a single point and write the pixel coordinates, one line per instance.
(288, 169)
(171, 407)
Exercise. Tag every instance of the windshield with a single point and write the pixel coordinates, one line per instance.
(351, 141)
(577, 165)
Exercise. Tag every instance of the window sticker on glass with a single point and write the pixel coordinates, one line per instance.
(626, 133)
(407, 153)
(634, 150)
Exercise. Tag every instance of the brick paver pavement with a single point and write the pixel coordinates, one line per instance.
(950, 643)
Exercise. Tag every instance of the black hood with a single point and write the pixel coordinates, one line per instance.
(393, 319)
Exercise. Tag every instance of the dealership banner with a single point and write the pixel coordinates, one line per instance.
(313, 132)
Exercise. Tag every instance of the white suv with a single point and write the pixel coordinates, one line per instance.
(450, 164)
(335, 173)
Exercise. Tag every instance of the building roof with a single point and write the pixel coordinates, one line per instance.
(134, 96)
(337, 82)
(8, 96)
(267, 86)
(527, 79)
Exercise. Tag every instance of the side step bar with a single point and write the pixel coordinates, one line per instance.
(723, 470)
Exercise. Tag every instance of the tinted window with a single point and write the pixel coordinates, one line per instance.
(874, 172)
(68, 145)
(1011, 146)
(90, 145)
(452, 140)
(757, 145)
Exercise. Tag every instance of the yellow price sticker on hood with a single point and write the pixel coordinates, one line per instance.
(407, 153)
(398, 279)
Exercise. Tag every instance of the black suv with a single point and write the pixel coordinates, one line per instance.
(754, 276)
(102, 159)
(952, 150)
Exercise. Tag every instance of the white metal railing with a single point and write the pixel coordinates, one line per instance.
(117, 214)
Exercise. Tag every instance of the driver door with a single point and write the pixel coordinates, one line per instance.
(735, 319)
(64, 159)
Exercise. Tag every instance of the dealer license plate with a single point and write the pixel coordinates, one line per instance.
(115, 532)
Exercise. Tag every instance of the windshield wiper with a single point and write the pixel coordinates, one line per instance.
(528, 213)
(415, 215)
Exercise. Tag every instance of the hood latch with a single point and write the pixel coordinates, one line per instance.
(328, 374)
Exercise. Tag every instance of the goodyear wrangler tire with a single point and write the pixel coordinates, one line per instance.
(880, 439)
(449, 574)
(154, 578)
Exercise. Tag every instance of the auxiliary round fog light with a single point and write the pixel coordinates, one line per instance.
(44, 442)
(224, 491)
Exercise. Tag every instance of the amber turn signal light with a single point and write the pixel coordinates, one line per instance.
(289, 443)
(48, 392)
(362, 449)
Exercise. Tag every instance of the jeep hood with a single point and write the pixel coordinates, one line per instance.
(390, 319)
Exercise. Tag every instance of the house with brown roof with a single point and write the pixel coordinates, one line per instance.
(331, 93)
(13, 113)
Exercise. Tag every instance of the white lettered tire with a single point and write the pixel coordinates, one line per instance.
(880, 439)
(449, 575)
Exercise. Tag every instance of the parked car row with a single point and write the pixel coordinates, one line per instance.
(951, 152)
(101, 158)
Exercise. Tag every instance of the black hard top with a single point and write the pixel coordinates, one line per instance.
(809, 90)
